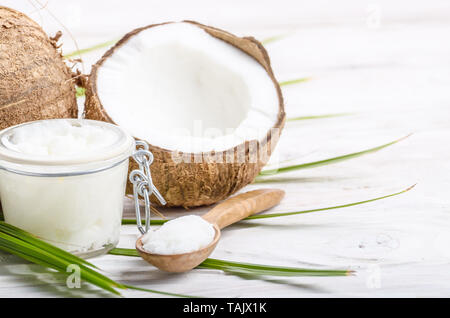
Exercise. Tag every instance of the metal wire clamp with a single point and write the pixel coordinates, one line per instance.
(143, 186)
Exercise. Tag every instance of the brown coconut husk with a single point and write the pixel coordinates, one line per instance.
(35, 83)
(194, 184)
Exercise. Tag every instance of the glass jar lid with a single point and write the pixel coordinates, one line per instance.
(63, 147)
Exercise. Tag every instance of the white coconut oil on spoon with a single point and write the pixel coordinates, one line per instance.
(181, 235)
(183, 243)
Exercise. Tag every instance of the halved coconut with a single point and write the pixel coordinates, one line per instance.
(205, 100)
(35, 83)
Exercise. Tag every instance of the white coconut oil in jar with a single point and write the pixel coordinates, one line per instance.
(64, 180)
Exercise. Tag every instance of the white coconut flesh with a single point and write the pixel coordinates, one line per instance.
(182, 89)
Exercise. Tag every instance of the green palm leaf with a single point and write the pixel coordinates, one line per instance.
(272, 39)
(247, 268)
(266, 270)
(274, 215)
(112, 42)
(294, 81)
(39, 256)
(27, 237)
(317, 116)
(326, 161)
(25, 245)
(80, 91)
(90, 49)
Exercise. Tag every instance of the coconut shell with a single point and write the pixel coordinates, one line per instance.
(35, 83)
(198, 183)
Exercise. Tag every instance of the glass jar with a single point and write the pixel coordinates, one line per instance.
(71, 198)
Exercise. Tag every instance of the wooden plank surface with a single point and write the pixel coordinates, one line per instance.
(388, 64)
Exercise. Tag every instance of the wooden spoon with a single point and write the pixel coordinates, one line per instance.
(228, 212)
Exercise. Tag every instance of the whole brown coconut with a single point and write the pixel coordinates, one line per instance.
(198, 183)
(35, 83)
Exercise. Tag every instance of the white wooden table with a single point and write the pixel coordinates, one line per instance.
(387, 63)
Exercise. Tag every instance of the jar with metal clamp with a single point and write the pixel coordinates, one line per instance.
(64, 181)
